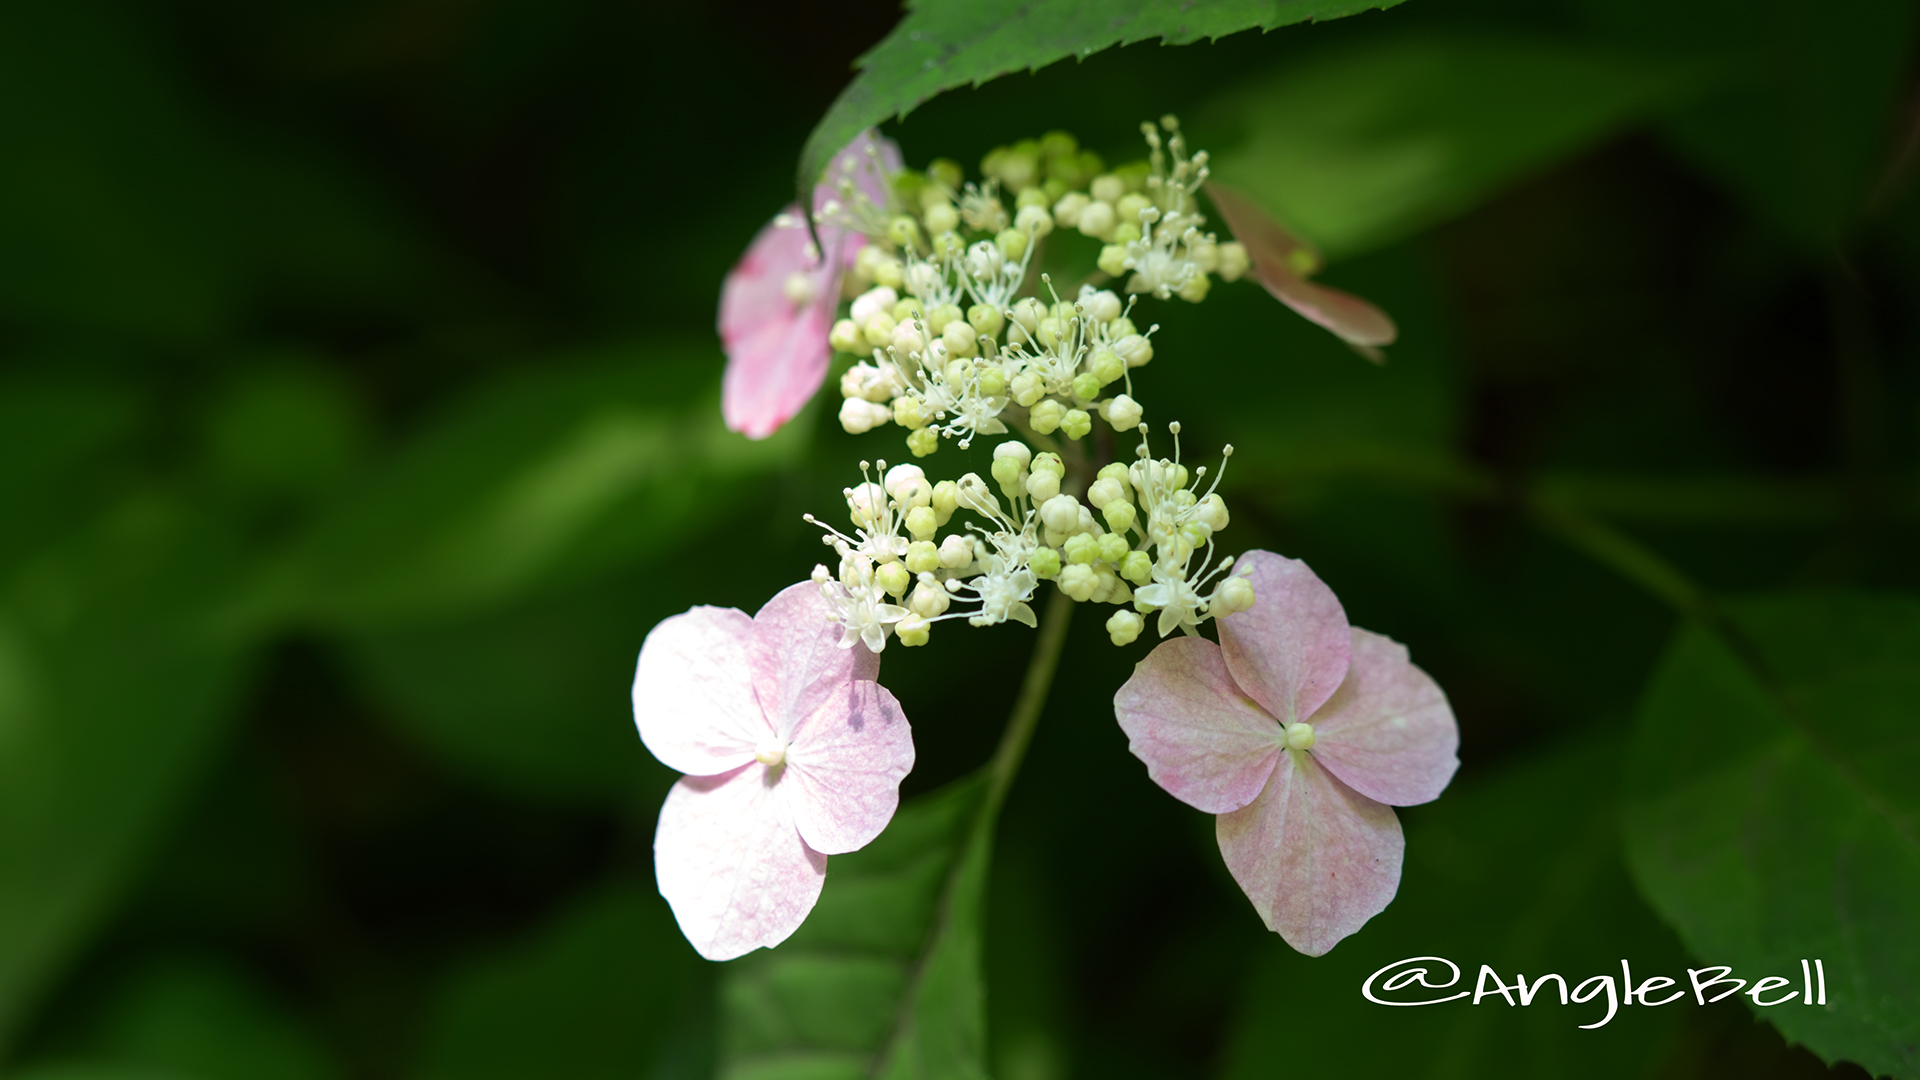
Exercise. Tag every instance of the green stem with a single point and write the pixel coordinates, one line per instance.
(1026, 708)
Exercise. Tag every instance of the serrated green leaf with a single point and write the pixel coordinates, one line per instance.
(883, 979)
(1359, 147)
(596, 994)
(1773, 816)
(943, 44)
(1521, 872)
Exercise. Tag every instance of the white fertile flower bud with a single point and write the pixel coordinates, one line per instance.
(1042, 486)
(956, 552)
(879, 331)
(873, 302)
(1066, 212)
(912, 631)
(922, 522)
(1105, 490)
(929, 600)
(1034, 221)
(867, 503)
(1097, 220)
(1107, 188)
(1212, 512)
(1100, 305)
(900, 475)
(1028, 313)
(1061, 513)
(858, 416)
(1027, 388)
(1124, 627)
(984, 259)
(973, 495)
(959, 339)
(1080, 549)
(1123, 413)
(1232, 595)
(1079, 581)
(1135, 349)
(908, 340)
(1014, 450)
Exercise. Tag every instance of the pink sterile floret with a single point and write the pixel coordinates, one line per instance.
(777, 303)
(1309, 833)
(792, 751)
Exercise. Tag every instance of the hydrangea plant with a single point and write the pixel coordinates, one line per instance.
(1300, 732)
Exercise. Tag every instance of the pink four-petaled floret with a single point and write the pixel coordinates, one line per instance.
(1310, 834)
(777, 303)
(793, 753)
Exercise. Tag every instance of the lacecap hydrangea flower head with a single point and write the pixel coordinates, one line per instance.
(929, 284)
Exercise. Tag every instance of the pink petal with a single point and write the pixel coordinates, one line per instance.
(1271, 248)
(691, 698)
(795, 659)
(1202, 739)
(1388, 731)
(872, 173)
(1289, 651)
(731, 864)
(777, 350)
(1317, 858)
(845, 764)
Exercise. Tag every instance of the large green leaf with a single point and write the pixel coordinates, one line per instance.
(600, 993)
(1358, 147)
(943, 44)
(1773, 814)
(1520, 872)
(118, 668)
(883, 979)
(595, 463)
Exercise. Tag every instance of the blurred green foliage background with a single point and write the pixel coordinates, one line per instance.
(358, 417)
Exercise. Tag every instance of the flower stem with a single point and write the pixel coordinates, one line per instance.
(1033, 697)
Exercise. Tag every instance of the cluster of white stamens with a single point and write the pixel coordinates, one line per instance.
(949, 348)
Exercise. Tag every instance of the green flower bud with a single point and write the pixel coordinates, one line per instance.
(1233, 595)
(1033, 196)
(1119, 515)
(941, 217)
(894, 578)
(1049, 462)
(959, 338)
(1079, 582)
(1124, 627)
(1120, 328)
(1113, 546)
(923, 441)
(904, 232)
(879, 331)
(1125, 233)
(1058, 144)
(946, 496)
(1195, 290)
(922, 522)
(912, 631)
(1128, 208)
(1067, 208)
(922, 556)
(910, 412)
(905, 311)
(1027, 389)
(1113, 260)
(1013, 243)
(986, 319)
(1107, 189)
(944, 316)
(846, 337)
(1045, 563)
(992, 381)
(1105, 367)
(1076, 423)
(1007, 470)
(1086, 386)
(1137, 567)
(946, 171)
(1049, 330)
(1081, 549)
(948, 244)
(1047, 415)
